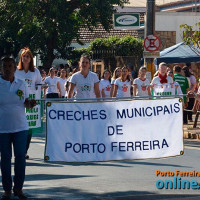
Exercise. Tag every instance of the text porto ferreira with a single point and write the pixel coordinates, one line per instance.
(114, 130)
(177, 179)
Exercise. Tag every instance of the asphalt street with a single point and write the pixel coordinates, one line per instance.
(127, 179)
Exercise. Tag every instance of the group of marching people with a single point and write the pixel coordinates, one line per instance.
(18, 81)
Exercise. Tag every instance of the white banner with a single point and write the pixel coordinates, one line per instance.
(33, 115)
(100, 131)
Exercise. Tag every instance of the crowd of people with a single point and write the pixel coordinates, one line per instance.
(18, 81)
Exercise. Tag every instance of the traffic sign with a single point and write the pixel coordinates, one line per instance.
(152, 43)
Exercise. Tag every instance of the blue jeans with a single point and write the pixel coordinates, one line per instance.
(18, 140)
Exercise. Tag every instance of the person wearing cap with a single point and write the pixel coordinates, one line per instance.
(13, 127)
(27, 72)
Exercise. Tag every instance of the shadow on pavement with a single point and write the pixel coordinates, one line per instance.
(40, 177)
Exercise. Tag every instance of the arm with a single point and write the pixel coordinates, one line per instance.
(96, 90)
(112, 89)
(59, 89)
(134, 89)
(71, 90)
(103, 93)
(115, 90)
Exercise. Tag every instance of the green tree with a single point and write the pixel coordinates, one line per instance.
(49, 26)
(192, 36)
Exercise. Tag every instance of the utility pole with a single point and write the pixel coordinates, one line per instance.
(150, 30)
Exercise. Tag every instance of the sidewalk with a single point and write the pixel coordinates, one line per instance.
(192, 133)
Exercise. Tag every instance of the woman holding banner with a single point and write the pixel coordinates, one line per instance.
(141, 84)
(13, 127)
(27, 72)
(122, 86)
(85, 81)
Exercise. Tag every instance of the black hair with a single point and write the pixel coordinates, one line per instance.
(177, 68)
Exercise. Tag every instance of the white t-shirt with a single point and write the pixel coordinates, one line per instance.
(156, 80)
(12, 109)
(31, 78)
(142, 87)
(106, 86)
(84, 86)
(123, 88)
(52, 84)
(113, 81)
(62, 86)
(178, 89)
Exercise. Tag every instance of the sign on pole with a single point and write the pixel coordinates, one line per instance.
(128, 21)
(152, 43)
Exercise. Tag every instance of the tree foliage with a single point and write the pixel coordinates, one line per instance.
(192, 36)
(49, 26)
(110, 47)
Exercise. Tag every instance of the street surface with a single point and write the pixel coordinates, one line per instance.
(128, 179)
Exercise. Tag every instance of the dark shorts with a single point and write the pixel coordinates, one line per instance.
(52, 95)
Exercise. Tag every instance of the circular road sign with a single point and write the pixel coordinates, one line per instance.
(152, 43)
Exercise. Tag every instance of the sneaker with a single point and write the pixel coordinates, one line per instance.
(19, 194)
(6, 195)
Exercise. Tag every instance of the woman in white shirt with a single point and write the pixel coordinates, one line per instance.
(85, 81)
(116, 74)
(141, 85)
(53, 88)
(13, 128)
(122, 85)
(63, 80)
(105, 85)
(27, 72)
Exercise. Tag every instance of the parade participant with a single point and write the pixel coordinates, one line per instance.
(53, 89)
(13, 127)
(183, 82)
(62, 81)
(141, 84)
(105, 85)
(162, 77)
(192, 87)
(43, 75)
(123, 84)
(116, 74)
(27, 72)
(85, 81)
